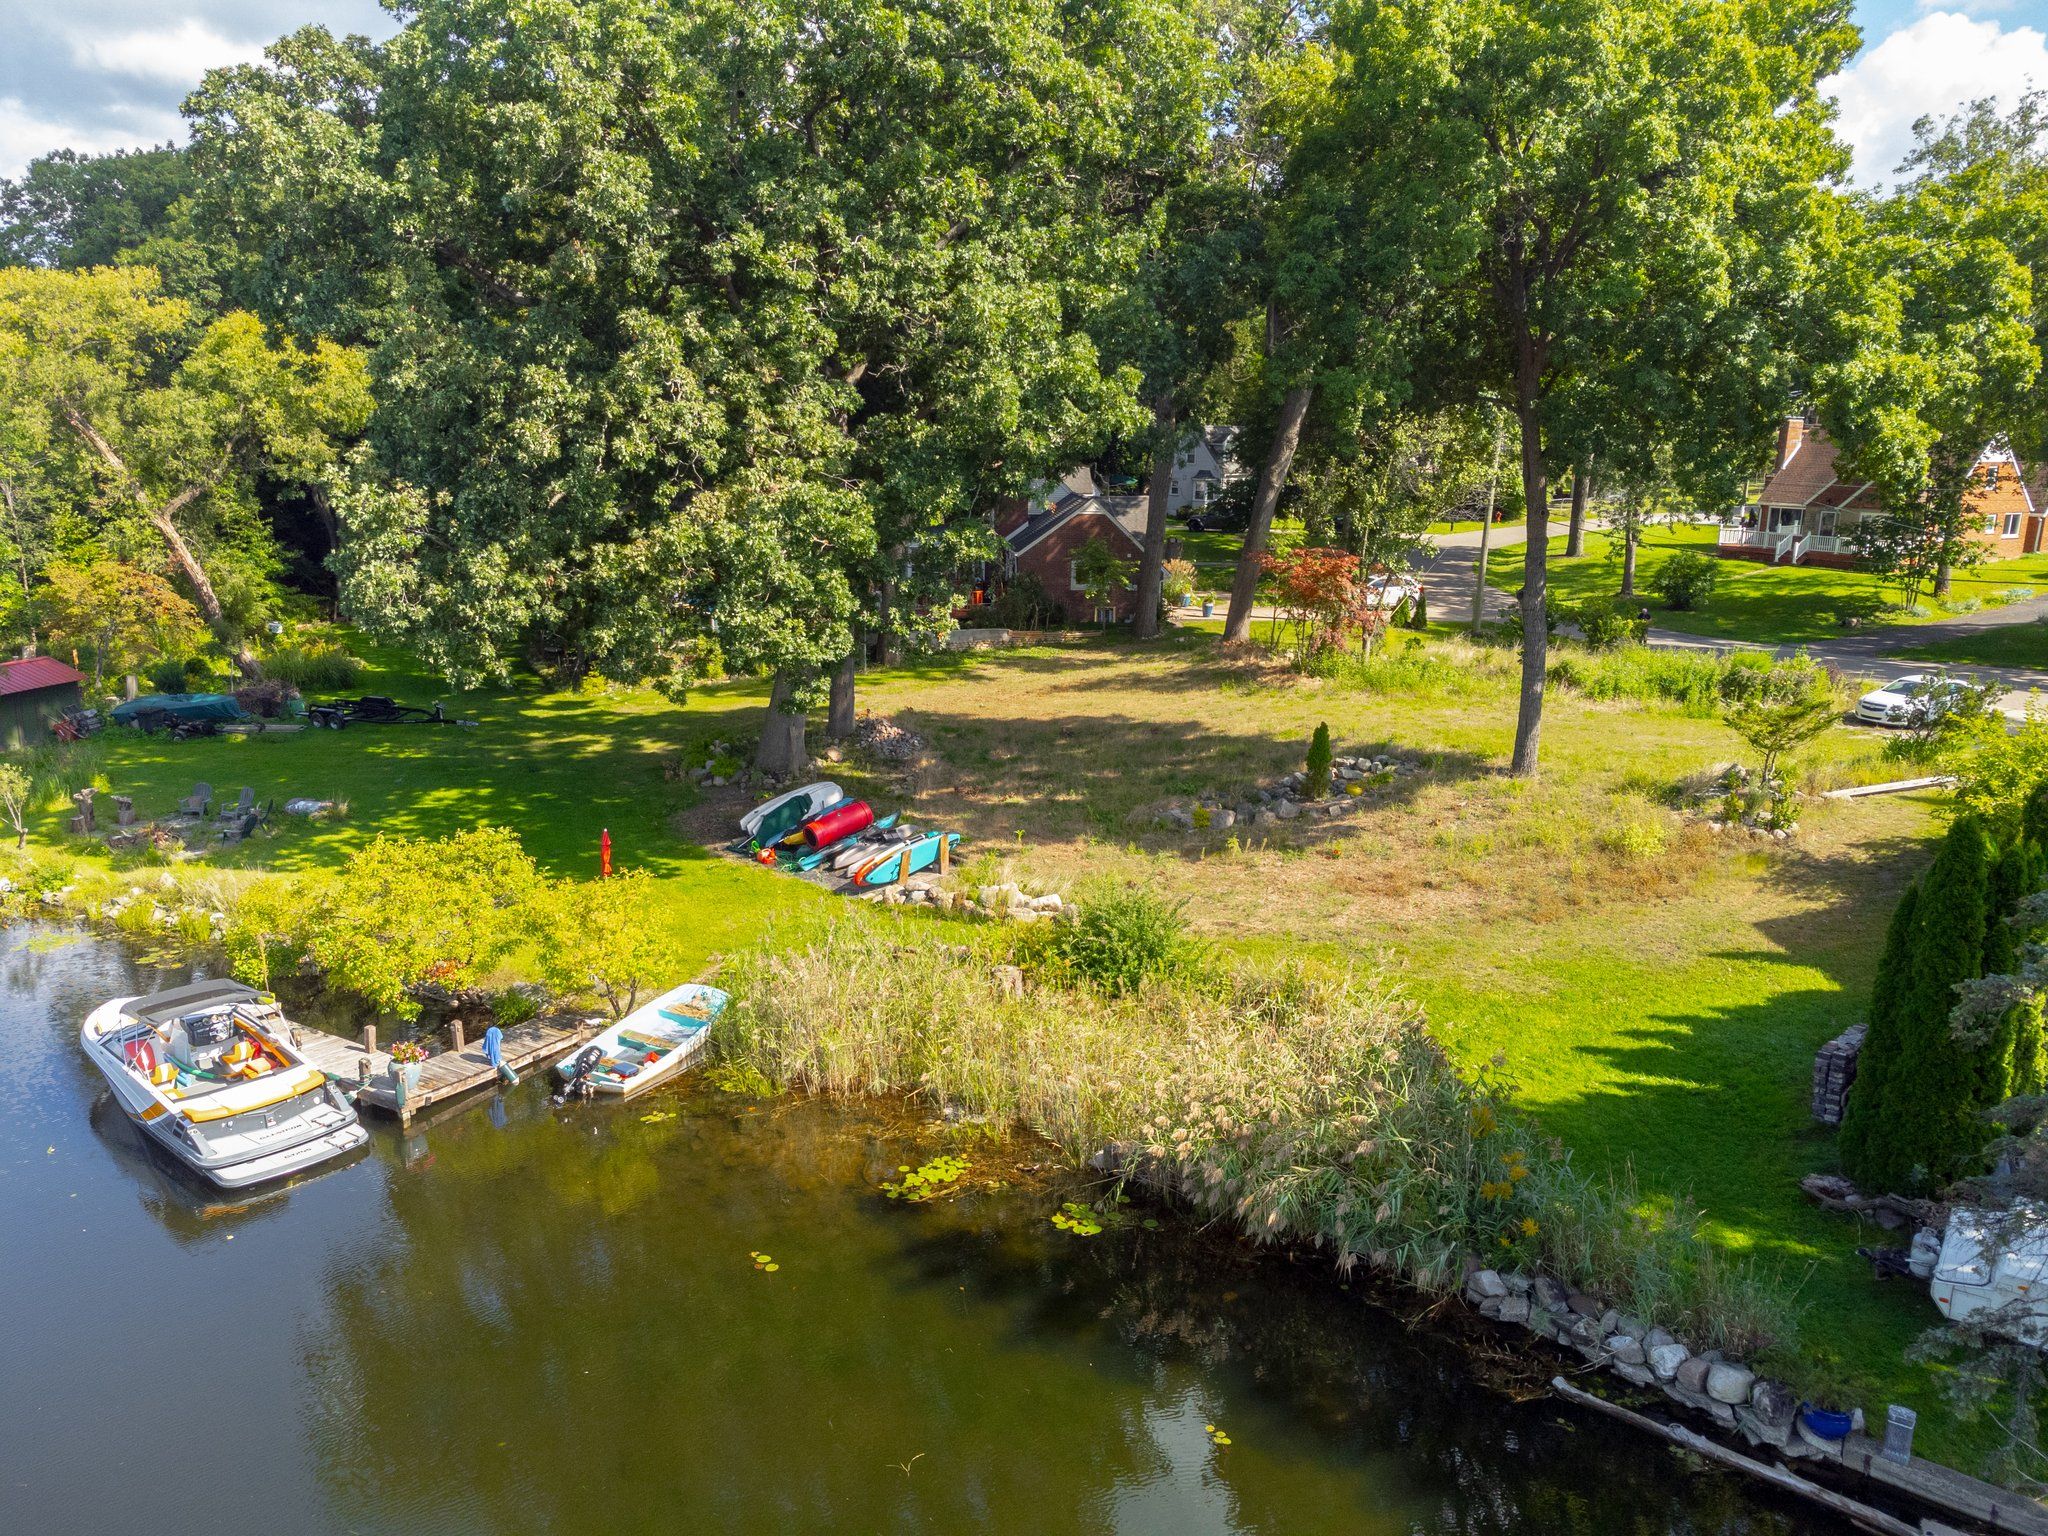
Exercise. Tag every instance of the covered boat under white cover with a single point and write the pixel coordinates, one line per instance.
(209, 1072)
(1992, 1269)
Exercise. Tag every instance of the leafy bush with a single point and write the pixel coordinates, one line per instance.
(1025, 604)
(313, 668)
(1606, 623)
(1318, 764)
(1690, 679)
(1121, 938)
(596, 940)
(1911, 1123)
(1687, 579)
(167, 677)
(409, 910)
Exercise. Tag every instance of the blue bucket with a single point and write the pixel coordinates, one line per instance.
(1825, 1422)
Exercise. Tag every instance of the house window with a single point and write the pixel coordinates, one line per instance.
(1991, 522)
(2012, 525)
(1991, 477)
(1073, 576)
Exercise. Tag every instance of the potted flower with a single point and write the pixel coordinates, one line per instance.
(407, 1058)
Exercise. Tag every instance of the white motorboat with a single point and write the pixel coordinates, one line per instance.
(649, 1045)
(209, 1071)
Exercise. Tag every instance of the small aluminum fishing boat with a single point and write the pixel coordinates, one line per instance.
(650, 1045)
(210, 1072)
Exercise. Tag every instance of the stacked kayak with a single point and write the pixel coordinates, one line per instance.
(816, 829)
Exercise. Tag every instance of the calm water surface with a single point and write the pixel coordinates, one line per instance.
(523, 1319)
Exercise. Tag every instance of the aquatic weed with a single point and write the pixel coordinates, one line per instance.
(928, 1182)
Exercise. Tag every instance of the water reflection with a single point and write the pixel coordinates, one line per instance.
(524, 1319)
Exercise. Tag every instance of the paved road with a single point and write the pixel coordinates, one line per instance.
(1447, 577)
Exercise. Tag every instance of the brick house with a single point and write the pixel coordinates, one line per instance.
(1806, 513)
(1045, 533)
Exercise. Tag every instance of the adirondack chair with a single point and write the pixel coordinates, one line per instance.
(196, 803)
(244, 803)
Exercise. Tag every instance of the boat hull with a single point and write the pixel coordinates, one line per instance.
(680, 1020)
(250, 1146)
(908, 860)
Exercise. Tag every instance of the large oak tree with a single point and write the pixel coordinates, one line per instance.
(706, 335)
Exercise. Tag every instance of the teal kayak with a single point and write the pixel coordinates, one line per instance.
(900, 863)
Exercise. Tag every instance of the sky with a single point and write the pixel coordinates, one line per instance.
(108, 74)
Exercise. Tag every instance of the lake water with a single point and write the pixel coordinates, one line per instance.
(530, 1319)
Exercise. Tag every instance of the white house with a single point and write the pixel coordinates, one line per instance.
(1205, 462)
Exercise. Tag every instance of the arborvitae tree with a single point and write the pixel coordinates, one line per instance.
(1319, 763)
(1863, 1114)
(2015, 1062)
(1917, 1127)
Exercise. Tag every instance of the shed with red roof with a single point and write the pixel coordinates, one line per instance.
(34, 692)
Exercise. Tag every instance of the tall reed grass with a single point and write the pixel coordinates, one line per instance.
(1297, 1107)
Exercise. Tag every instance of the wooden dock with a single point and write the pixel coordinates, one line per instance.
(446, 1074)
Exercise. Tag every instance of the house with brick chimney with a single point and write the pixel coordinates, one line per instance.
(1808, 510)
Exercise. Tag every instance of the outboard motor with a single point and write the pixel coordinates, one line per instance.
(584, 1064)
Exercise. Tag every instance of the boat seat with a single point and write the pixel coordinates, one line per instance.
(691, 1022)
(633, 1040)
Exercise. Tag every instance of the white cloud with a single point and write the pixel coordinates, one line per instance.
(24, 134)
(1931, 66)
(176, 55)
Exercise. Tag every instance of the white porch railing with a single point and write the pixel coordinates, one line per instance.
(1734, 535)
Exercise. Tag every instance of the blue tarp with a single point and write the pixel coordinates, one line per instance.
(181, 706)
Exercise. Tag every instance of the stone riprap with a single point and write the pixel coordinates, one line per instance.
(1762, 1411)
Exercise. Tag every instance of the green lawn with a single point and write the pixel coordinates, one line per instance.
(1660, 1016)
(559, 768)
(1998, 645)
(1215, 553)
(1764, 604)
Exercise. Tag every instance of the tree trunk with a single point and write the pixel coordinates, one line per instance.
(1536, 580)
(1575, 538)
(888, 646)
(1152, 562)
(1943, 571)
(1628, 561)
(1272, 478)
(164, 520)
(9, 495)
(839, 717)
(1486, 534)
(782, 750)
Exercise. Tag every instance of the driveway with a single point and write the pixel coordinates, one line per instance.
(1446, 578)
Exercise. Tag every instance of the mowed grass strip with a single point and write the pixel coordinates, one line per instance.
(1764, 604)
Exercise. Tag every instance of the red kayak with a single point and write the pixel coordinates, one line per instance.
(842, 821)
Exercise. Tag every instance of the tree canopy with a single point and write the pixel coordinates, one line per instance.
(704, 336)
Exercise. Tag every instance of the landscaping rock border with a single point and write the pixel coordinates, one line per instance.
(1286, 798)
